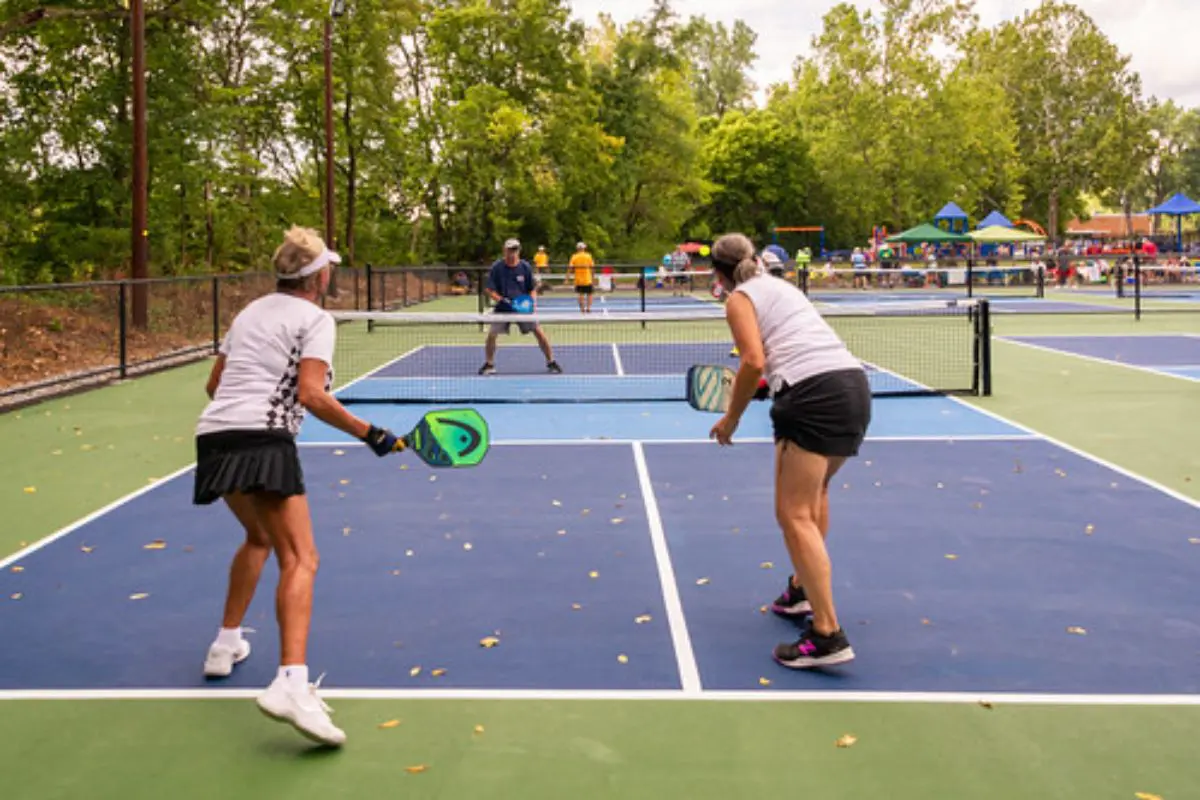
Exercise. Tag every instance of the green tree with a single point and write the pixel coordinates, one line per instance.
(720, 59)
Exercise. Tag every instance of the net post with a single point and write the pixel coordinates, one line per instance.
(1119, 279)
(122, 344)
(216, 319)
(1041, 281)
(1137, 288)
(983, 338)
(642, 281)
(370, 295)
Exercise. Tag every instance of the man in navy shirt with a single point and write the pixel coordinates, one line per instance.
(511, 277)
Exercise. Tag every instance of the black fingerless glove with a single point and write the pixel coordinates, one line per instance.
(381, 440)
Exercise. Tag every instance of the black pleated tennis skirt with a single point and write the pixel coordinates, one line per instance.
(246, 461)
(826, 414)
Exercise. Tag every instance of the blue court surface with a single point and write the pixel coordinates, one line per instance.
(613, 549)
(1177, 355)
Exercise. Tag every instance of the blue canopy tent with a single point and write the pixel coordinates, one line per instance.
(954, 216)
(994, 220)
(1179, 206)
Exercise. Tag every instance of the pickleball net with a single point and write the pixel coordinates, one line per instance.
(940, 347)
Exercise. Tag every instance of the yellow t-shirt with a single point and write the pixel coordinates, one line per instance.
(541, 260)
(581, 266)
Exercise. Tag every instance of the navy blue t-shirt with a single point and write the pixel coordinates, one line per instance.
(511, 282)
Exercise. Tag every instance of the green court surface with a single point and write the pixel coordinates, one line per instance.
(70, 457)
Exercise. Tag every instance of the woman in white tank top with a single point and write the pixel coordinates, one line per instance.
(820, 414)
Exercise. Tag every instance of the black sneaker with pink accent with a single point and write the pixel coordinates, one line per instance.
(792, 604)
(814, 650)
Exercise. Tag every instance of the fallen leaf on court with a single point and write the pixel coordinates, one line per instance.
(56, 452)
(467, 545)
(16, 596)
(1193, 540)
(845, 486)
(489, 641)
(86, 548)
(926, 621)
(593, 574)
(563, 532)
(344, 481)
(157, 544)
(478, 729)
(621, 496)
(941, 486)
(702, 582)
(414, 672)
(691, 497)
(1147, 796)
(623, 659)
(1076, 630)
(556, 503)
(951, 557)
(878, 484)
(1089, 530)
(22, 544)
(18, 569)
(585, 512)
(985, 704)
(735, 530)
(403, 467)
(418, 768)
(345, 531)
(432, 478)
(1018, 468)
(408, 553)
(437, 673)
(977, 506)
(642, 620)
(1060, 473)
(391, 723)
(616, 520)
(766, 565)
(339, 452)
(764, 681)
(868, 463)
(30, 490)
(725, 497)
(762, 609)
(151, 480)
(139, 596)
(395, 572)
(846, 740)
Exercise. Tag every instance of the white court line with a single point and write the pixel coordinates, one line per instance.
(999, 437)
(685, 658)
(113, 506)
(1098, 360)
(617, 359)
(385, 365)
(1183, 498)
(566, 695)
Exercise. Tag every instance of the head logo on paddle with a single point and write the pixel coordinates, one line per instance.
(453, 437)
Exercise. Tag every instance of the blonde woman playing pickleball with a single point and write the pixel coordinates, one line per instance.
(274, 364)
(820, 415)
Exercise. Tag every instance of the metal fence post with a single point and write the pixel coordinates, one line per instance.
(216, 319)
(122, 330)
(1137, 288)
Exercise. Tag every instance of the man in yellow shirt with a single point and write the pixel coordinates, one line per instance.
(582, 269)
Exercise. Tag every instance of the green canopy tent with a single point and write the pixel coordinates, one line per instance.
(928, 234)
(997, 234)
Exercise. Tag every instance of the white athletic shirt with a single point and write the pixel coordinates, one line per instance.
(263, 350)
(798, 341)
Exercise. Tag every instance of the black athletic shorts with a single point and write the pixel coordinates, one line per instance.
(585, 289)
(827, 414)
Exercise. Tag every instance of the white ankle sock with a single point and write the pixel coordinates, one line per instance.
(296, 675)
(229, 637)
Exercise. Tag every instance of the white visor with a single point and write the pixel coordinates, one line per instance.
(319, 263)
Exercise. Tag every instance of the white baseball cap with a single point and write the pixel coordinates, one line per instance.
(512, 244)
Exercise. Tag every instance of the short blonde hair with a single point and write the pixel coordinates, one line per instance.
(733, 256)
(300, 247)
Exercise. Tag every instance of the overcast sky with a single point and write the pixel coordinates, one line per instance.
(1158, 34)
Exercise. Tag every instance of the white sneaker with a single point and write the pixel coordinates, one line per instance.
(303, 709)
(221, 658)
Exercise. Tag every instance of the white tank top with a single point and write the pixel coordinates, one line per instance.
(797, 340)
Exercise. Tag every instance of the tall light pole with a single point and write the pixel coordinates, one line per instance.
(138, 231)
(336, 9)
